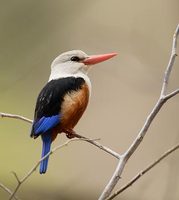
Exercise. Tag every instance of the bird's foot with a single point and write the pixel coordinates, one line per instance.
(70, 133)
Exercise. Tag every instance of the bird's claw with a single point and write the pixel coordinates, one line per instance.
(70, 133)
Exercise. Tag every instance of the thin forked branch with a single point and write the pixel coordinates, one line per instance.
(144, 171)
(97, 144)
(78, 137)
(162, 99)
(22, 180)
(6, 189)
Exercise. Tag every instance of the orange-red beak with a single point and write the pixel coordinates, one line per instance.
(91, 60)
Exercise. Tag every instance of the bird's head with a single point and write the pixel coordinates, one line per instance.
(75, 62)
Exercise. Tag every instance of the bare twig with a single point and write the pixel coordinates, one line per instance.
(168, 96)
(97, 144)
(22, 180)
(78, 137)
(170, 63)
(6, 189)
(102, 147)
(8, 115)
(162, 99)
(16, 177)
(144, 171)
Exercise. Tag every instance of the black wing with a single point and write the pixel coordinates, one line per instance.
(50, 100)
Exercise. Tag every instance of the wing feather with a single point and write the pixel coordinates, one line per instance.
(48, 106)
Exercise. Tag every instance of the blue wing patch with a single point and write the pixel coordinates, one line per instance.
(44, 124)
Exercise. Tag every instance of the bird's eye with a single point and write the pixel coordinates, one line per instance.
(75, 59)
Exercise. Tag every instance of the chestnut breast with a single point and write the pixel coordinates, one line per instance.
(73, 106)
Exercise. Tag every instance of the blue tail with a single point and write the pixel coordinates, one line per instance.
(46, 138)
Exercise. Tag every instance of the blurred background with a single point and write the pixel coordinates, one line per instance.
(125, 89)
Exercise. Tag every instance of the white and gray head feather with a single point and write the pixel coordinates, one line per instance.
(70, 64)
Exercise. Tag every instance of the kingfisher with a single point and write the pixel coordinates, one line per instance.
(64, 98)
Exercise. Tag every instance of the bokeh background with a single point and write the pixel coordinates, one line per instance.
(32, 34)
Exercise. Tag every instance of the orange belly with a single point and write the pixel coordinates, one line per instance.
(72, 108)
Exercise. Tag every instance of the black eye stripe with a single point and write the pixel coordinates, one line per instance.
(75, 58)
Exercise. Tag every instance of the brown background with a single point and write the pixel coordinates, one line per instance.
(125, 89)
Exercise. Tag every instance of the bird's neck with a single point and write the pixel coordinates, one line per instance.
(55, 76)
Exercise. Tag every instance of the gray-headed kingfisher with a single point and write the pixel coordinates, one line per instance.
(64, 98)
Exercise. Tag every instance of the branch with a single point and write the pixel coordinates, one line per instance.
(162, 99)
(22, 180)
(7, 115)
(172, 94)
(78, 137)
(144, 171)
(97, 144)
(170, 63)
(8, 190)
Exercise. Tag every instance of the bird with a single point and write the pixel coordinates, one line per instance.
(63, 100)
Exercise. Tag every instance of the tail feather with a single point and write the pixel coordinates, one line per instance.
(46, 138)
